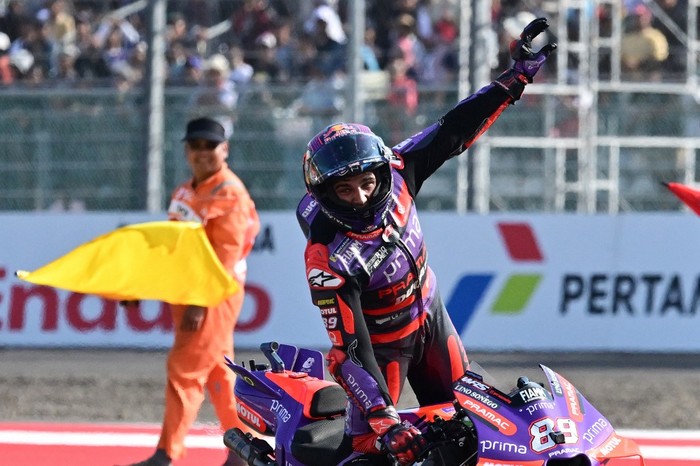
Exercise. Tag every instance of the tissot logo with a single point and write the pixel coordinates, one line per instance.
(522, 247)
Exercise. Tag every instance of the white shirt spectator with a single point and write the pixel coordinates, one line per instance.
(334, 27)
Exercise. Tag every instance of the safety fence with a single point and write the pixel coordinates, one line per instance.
(84, 150)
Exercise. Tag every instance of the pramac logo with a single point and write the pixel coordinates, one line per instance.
(522, 247)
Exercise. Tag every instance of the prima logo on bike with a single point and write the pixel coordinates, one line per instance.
(522, 246)
(490, 445)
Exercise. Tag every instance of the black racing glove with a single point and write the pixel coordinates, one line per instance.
(526, 62)
(404, 443)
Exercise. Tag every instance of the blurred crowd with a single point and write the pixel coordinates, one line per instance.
(229, 43)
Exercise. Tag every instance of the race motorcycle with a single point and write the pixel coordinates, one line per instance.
(289, 401)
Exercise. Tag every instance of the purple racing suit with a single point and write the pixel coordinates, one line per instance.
(378, 297)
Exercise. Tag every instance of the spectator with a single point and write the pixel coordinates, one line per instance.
(326, 30)
(128, 35)
(176, 57)
(60, 23)
(407, 46)
(200, 13)
(402, 100)
(193, 71)
(215, 96)
(89, 63)
(178, 34)
(677, 12)
(439, 66)
(287, 50)
(322, 96)
(241, 71)
(369, 50)
(33, 39)
(420, 11)
(116, 51)
(265, 64)
(326, 18)
(14, 18)
(6, 74)
(643, 49)
(254, 18)
(216, 198)
(65, 74)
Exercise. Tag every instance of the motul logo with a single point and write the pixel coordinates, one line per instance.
(249, 416)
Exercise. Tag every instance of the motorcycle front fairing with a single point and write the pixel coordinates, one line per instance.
(532, 425)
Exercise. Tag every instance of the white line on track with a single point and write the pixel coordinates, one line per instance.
(121, 439)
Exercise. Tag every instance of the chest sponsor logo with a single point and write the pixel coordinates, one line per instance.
(377, 258)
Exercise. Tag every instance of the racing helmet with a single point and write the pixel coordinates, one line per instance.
(349, 149)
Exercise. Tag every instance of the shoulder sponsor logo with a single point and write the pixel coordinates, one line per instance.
(309, 208)
(322, 279)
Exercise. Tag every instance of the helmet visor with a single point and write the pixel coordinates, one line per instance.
(347, 155)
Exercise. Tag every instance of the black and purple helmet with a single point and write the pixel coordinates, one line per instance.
(348, 149)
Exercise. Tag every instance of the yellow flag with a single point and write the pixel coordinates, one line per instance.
(165, 261)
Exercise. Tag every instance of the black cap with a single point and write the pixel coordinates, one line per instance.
(205, 128)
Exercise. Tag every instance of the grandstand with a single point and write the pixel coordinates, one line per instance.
(595, 134)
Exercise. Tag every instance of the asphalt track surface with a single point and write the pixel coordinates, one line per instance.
(634, 391)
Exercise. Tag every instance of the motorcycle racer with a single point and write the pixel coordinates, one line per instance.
(366, 259)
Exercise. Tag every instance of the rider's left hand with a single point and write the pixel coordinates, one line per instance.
(527, 62)
(404, 443)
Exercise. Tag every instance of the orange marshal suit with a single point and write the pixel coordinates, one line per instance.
(196, 360)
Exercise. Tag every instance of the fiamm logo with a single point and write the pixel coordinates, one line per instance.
(521, 246)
